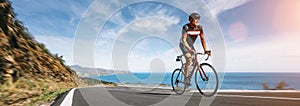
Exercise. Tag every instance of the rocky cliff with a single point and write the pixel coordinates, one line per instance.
(27, 68)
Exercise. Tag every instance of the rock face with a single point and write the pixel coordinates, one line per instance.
(22, 57)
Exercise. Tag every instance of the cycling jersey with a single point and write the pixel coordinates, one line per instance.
(192, 34)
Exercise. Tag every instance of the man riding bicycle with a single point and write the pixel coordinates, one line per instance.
(190, 32)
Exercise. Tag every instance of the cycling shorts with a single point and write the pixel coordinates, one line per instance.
(184, 49)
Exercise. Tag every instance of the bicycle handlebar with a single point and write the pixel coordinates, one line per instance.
(195, 54)
(208, 55)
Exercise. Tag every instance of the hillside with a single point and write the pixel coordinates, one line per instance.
(27, 68)
(86, 72)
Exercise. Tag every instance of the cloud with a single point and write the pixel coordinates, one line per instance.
(125, 25)
(58, 44)
(139, 19)
(136, 12)
(151, 48)
(219, 6)
(152, 20)
(142, 45)
(98, 12)
(141, 62)
(158, 24)
(276, 54)
(55, 26)
(49, 18)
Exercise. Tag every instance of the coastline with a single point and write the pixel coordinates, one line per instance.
(163, 87)
(238, 81)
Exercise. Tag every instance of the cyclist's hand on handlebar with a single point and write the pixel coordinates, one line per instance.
(208, 52)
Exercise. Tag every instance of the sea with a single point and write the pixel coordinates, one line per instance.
(228, 80)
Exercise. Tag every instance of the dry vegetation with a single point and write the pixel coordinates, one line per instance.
(29, 73)
(282, 85)
(26, 91)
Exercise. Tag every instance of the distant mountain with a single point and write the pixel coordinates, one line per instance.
(86, 72)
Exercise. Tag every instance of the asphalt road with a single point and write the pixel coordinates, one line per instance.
(122, 96)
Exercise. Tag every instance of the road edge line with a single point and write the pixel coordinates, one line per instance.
(260, 97)
(68, 99)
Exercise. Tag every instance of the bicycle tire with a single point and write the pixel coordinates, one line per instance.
(207, 86)
(177, 81)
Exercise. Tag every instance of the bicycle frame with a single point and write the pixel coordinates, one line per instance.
(195, 64)
(205, 75)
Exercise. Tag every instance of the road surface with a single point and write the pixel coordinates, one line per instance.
(123, 96)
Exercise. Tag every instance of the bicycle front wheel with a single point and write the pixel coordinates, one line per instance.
(206, 80)
(177, 81)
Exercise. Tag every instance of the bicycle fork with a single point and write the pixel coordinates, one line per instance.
(202, 71)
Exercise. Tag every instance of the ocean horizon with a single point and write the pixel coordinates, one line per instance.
(231, 80)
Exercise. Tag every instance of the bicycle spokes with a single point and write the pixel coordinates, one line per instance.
(206, 80)
(177, 81)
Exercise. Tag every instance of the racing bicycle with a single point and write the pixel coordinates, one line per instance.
(206, 77)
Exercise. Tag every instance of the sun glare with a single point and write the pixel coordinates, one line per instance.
(238, 31)
(286, 16)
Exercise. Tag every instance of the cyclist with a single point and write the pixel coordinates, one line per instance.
(190, 32)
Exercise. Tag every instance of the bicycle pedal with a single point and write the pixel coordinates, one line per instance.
(188, 84)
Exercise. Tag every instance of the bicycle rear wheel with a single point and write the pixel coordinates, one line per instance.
(177, 81)
(207, 83)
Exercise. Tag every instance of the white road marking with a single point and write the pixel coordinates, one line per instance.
(68, 99)
(262, 97)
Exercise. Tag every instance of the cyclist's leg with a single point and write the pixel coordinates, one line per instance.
(187, 57)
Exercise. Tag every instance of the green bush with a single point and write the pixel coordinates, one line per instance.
(70, 70)
(49, 96)
(43, 47)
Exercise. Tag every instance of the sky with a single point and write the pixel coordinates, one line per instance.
(258, 35)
